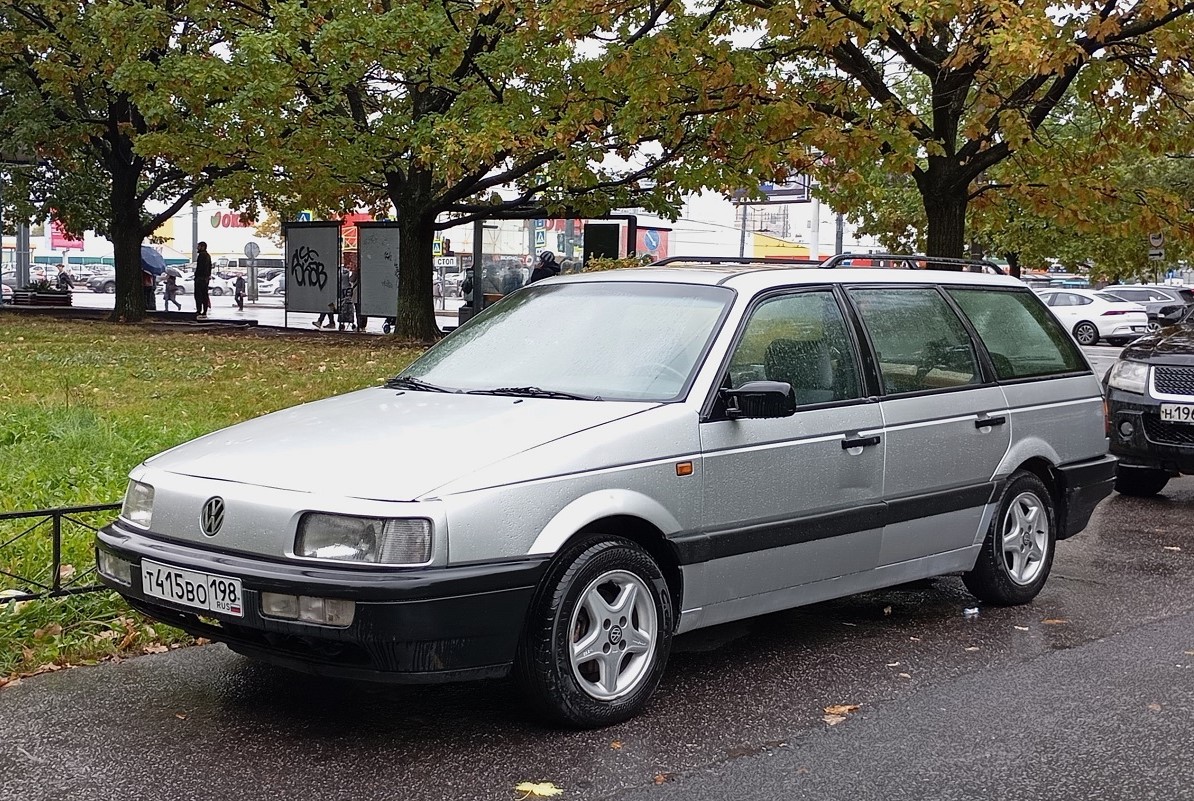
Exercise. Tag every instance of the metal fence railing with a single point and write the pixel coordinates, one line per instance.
(30, 528)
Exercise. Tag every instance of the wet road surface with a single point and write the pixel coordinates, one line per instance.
(1047, 700)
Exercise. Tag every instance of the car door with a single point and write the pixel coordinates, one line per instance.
(797, 499)
(944, 420)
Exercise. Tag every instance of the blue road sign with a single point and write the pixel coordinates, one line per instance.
(651, 240)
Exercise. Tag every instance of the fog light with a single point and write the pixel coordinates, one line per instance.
(308, 609)
(326, 611)
(1126, 429)
(113, 567)
(275, 604)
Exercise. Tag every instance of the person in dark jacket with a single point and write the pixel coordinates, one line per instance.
(546, 267)
(202, 280)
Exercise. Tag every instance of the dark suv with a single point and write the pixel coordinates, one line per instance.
(1153, 297)
(1150, 396)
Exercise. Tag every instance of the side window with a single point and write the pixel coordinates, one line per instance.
(1024, 340)
(1050, 299)
(1081, 300)
(919, 341)
(800, 339)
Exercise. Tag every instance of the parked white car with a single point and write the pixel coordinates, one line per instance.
(1093, 315)
(186, 286)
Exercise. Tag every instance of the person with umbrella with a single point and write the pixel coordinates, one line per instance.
(152, 265)
(202, 279)
(172, 275)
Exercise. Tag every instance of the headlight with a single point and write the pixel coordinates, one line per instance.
(1129, 376)
(402, 541)
(138, 504)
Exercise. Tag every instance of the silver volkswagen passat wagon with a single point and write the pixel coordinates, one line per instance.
(600, 462)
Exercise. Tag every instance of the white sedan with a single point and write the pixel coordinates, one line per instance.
(1093, 315)
(186, 286)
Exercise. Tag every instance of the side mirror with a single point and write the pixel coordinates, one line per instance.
(1171, 315)
(759, 400)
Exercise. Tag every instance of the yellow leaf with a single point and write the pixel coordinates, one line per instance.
(1054, 621)
(616, 745)
(539, 790)
(841, 709)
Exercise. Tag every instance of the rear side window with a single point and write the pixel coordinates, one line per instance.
(1023, 338)
(920, 343)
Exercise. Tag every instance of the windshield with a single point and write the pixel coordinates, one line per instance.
(613, 340)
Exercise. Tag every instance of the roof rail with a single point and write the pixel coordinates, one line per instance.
(913, 261)
(734, 260)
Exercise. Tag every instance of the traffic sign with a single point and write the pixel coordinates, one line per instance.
(447, 261)
(303, 216)
(1156, 240)
(540, 240)
(252, 250)
(1156, 254)
(651, 240)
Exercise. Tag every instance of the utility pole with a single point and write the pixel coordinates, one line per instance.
(742, 234)
(815, 238)
(838, 241)
(194, 231)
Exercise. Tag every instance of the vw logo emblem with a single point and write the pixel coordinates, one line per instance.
(212, 517)
(615, 635)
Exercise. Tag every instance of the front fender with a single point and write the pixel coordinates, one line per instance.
(596, 505)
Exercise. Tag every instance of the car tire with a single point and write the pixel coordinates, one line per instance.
(217, 292)
(1086, 333)
(1140, 482)
(1017, 553)
(1153, 326)
(110, 288)
(182, 290)
(611, 591)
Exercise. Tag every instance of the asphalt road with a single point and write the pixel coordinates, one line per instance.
(1086, 693)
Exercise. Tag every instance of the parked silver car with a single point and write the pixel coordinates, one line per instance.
(600, 462)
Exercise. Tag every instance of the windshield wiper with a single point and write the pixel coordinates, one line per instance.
(532, 392)
(407, 382)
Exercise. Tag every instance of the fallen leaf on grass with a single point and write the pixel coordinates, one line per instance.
(616, 745)
(180, 716)
(904, 675)
(1171, 547)
(833, 720)
(52, 630)
(202, 641)
(841, 709)
(155, 649)
(1021, 628)
(537, 790)
(65, 572)
(893, 664)
(664, 778)
(1189, 653)
(914, 639)
(1055, 621)
(972, 648)
(1154, 707)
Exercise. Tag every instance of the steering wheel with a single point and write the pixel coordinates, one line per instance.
(666, 369)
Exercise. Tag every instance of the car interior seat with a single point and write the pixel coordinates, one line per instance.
(805, 364)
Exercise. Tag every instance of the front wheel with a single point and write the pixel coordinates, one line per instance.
(598, 636)
(1017, 553)
(217, 292)
(110, 288)
(1086, 333)
(1140, 482)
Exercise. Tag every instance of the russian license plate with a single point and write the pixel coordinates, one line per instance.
(191, 588)
(1177, 412)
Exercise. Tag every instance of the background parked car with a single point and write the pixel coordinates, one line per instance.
(5, 293)
(1093, 315)
(186, 286)
(103, 281)
(273, 286)
(1153, 297)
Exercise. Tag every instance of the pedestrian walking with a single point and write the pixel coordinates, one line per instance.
(147, 286)
(171, 292)
(64, 280)
(239, 287)
(546, 267)
(202, 280)
(329, 315)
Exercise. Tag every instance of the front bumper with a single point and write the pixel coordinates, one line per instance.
(1150, 442)
(411, 624)
(1083, 486)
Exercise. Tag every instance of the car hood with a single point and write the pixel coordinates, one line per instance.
(384, 444)
(1172, 345)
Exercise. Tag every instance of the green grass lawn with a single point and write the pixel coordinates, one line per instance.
(83, 403)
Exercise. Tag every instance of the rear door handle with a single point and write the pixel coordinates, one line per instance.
(859, 442)
(984, 422)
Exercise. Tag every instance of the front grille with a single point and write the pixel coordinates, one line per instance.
(1163, 433)
(1174, 380)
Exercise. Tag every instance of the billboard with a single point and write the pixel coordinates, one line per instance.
(61, 240)
(312, 265)
(377, 249)
(797, 189)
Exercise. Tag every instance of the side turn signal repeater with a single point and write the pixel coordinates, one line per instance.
(684, 468)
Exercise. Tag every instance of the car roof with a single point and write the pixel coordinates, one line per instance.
(756, 277)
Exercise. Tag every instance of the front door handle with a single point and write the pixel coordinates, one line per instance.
(983, 422)
(860, 442)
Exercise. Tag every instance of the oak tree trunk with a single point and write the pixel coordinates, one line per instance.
(415, 316)
(125, 232)
(945, 196)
